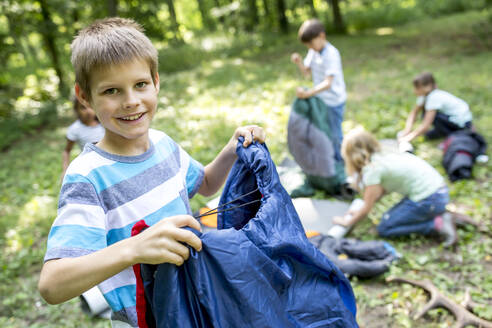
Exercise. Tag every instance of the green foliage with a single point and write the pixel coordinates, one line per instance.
(218, 46)
(28, 28)
(249, 79)
(369, 14)
(15, 128)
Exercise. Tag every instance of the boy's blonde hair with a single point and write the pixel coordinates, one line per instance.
(357, 148)
(107, 42)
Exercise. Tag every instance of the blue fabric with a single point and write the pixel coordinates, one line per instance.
(408, 216)
(257, 270)
(460, 151)
(443, 127)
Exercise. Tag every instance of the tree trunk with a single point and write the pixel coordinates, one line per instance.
(282, 18)
(267, 13)
(174, 20)
(19, 45)
(266, 8)
(312, 8)
(217, 5)
(112, 7)
(253, 12)
(73, 14)
(28, 51)
(337, 16)
(206, 20)
(48, 32)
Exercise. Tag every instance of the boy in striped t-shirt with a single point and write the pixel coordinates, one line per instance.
(133, 173)
(324, 64)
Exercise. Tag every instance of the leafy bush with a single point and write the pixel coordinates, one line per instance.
(370, 14)
(388, 15)
(215, 46)
(14, 128)
(443, 7)
(181, 57)
(483, 31)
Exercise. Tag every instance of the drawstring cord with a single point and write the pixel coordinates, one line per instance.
(220, 209)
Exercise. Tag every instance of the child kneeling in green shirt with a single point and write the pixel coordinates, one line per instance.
(423, 208)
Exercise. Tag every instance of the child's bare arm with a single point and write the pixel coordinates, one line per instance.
(429, 117)
(216, 172)
(63, 279)
(325, 85)
(297, 59)
(66, 156)
(371, 195)
(411, 119)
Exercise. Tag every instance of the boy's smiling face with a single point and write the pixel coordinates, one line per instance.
(124, 97)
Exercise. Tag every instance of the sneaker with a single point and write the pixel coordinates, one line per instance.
(447, 230)
(394, 254)
(306, 190)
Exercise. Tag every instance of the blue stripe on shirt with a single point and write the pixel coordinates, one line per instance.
(122, 297)
(77, 236)
(193, 176)
(129, 169)
(132, 188)
(74, 178)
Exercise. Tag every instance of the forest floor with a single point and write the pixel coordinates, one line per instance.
(200, 109)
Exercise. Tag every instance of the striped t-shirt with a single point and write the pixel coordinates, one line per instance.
(323, 64)
(103, 195)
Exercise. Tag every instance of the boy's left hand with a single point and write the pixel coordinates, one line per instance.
(301, 93)
(250, 133)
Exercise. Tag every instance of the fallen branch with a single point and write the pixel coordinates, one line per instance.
(437, 299)
(468, 303)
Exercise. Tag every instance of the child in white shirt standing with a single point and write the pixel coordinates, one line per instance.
(324, 63)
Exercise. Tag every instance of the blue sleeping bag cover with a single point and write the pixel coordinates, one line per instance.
(257, 270)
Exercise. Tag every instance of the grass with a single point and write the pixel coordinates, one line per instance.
(201, 107)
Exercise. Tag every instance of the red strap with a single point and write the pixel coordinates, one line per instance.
(464, 153)
(447, 143)
(141, 303)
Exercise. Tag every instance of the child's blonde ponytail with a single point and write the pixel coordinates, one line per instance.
(357, 148)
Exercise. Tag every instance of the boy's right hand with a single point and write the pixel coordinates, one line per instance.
(163, 242)
(296, 58)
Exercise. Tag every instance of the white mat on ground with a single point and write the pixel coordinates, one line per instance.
(315, 214)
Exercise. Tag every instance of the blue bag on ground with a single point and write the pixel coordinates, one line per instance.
(257, 270)
(363, 259)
